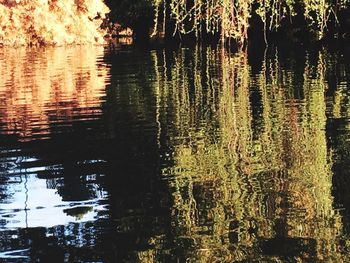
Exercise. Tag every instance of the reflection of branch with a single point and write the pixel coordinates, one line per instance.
(254, 169)
(26, 200)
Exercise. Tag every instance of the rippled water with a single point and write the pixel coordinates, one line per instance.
(118, 154)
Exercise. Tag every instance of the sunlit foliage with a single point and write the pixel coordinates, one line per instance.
(231, 18)
(36, 22)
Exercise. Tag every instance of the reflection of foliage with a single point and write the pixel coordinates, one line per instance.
(78, 212)
(73, 90)
(241, 182)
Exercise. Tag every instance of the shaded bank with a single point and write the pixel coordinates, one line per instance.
(231, 22)
(235, 21)
(137, 15)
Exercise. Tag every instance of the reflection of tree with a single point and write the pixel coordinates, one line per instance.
(53, 93)
(244, 160)
(338, 131)
(49, 97)
(243, 183)
(53, 87)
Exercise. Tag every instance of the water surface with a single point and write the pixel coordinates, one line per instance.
(118, 154)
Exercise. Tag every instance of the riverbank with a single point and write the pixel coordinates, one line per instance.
(295, 21)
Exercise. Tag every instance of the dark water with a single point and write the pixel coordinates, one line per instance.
(194, 155)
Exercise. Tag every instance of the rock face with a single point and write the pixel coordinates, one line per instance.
(51, 22)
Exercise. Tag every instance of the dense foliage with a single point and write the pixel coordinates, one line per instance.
(38, 22)
(232, 18)
(229, 19)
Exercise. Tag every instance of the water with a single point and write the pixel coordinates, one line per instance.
(119, 154)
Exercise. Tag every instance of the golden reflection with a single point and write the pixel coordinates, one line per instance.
(40, 87)
(246, 186)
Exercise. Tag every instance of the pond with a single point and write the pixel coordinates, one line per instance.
(127, 154)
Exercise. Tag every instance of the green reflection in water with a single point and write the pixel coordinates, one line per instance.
(249, 181)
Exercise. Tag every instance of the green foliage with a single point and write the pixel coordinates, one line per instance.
(231, 18)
